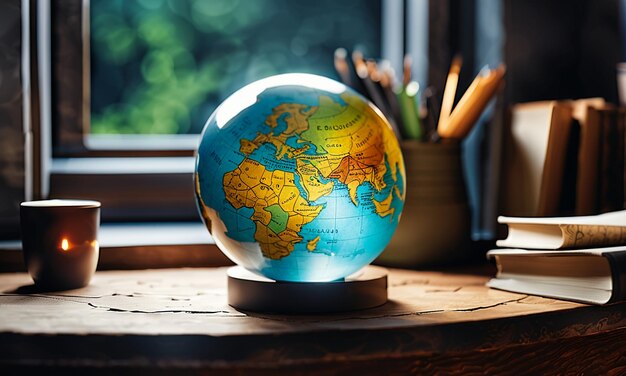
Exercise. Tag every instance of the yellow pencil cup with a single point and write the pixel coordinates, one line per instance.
(434, 228)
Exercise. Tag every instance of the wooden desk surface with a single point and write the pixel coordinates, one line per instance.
(178, 319)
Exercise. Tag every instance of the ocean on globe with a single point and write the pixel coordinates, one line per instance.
(299, 178)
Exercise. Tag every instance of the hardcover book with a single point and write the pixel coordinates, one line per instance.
(553, 233)
(596, 275)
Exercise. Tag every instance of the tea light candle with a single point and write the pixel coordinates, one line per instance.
(66, 246)
(60, 241)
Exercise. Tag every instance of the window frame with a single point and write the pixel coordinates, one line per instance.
(71, 96)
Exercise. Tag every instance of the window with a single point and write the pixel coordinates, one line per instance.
(132, 83)
(161, 67)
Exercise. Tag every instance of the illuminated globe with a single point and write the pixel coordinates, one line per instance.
(299, 178)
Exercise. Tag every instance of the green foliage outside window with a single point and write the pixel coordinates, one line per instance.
(162, 66)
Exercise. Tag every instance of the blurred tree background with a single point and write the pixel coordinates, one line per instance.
(163, 66)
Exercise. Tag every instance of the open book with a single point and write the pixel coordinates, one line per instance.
(601, 230)
(595, 275)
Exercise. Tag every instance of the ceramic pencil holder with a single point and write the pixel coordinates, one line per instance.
(435, 225)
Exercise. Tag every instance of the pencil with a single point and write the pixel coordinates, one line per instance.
(449, 91)
(363, 75)
(386, 79)
(352, 75)
(341, 66)
(374, 76)
(472, 104)
(375, 93)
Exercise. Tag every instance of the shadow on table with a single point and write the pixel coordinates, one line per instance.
(390, 309)
(32, 289)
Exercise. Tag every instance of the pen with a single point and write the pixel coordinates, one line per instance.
(410, 115)
(433, 110)
(406, 70)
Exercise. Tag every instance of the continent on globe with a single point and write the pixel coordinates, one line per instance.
(312, 244)
(310, 179)
(344, 153)
(279, 209)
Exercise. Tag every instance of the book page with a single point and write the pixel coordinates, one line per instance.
(617, 218)
(584, 235)
(541, 252)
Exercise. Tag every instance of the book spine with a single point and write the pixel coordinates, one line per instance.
(554, 165)
(577, 236)
(587, 183)
(616, 164)
(617, 261)
(620, 170)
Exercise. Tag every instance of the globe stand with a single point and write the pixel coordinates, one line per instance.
(250, 292)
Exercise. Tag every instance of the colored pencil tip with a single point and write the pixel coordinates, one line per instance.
(412, 88)
(341, 53)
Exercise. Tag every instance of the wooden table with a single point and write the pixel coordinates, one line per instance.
(178, 319)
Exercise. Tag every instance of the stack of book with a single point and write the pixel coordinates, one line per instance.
(581, 258)
(564, 158)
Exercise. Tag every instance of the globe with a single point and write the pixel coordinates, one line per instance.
(299, 178)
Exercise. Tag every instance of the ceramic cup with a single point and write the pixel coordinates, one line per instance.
(60, 242)
(435, 225)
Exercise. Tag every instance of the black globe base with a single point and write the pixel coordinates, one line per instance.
(250, 292)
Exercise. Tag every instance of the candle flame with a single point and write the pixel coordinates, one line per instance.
(65, 244)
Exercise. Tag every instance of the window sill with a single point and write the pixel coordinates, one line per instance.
(134, 143)
(141, 246)
(122, 165)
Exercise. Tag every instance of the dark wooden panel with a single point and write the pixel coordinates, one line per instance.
(155, 257)
(70, 75)
(12, 136)
(132, 196)
(562, 49)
